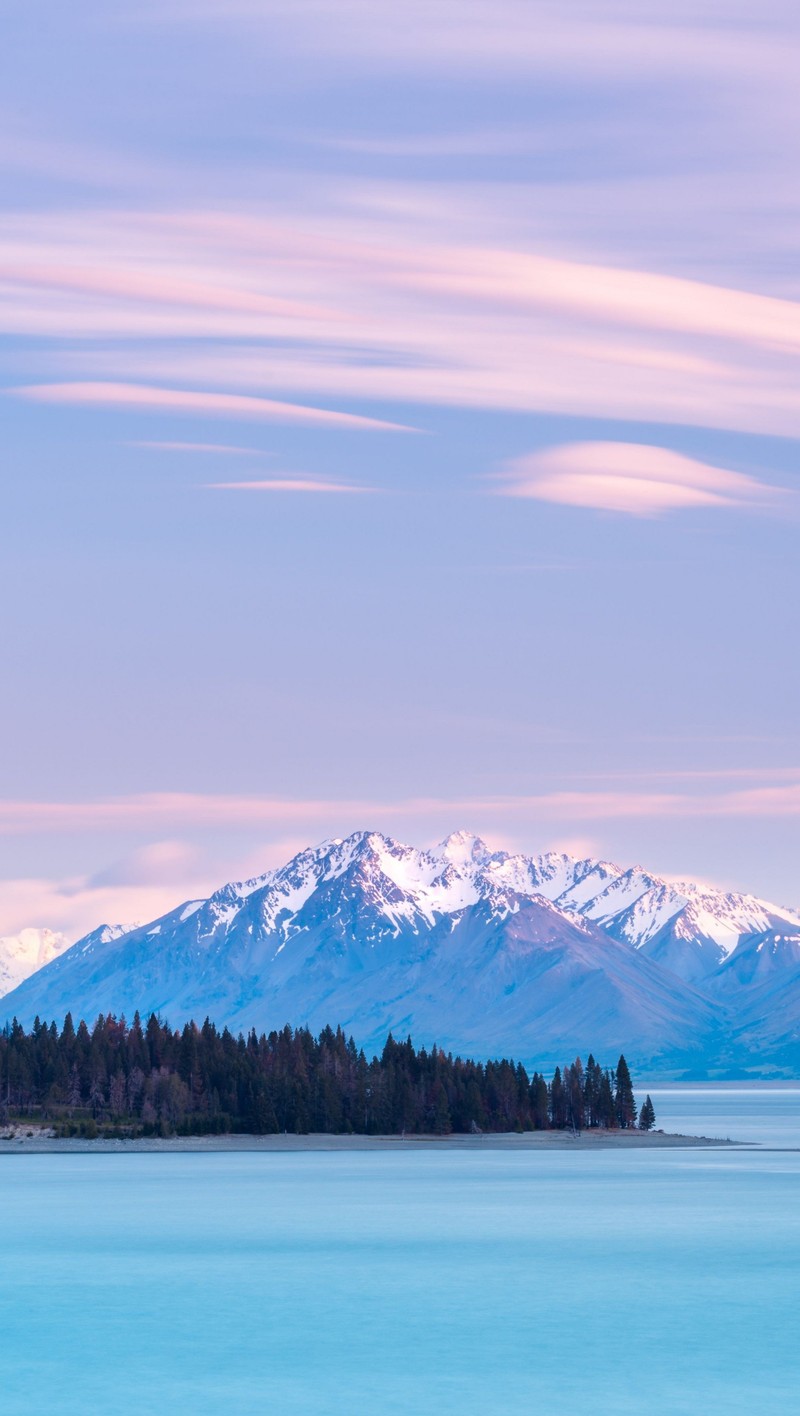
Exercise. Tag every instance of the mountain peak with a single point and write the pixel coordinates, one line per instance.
(463, 848)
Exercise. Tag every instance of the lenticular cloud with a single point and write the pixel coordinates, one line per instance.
(633, 478)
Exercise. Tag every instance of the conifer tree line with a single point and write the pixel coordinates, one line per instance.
(151, 1080)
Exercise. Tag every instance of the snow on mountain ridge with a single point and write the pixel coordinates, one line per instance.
(462, 848)
(396, 889)
(412, 887)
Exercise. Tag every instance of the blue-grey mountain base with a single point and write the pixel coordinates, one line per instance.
(481, 952)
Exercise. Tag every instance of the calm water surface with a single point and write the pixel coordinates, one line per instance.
(767, 1116)
(658, 1282)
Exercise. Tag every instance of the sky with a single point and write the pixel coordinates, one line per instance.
(400, 431)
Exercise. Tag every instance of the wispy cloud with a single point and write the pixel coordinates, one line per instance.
(154, 812)
(490, 142)
(700, 774)
(116, 281)
(381, 303)
(633, 478)
(203, 403)
(74, 905)
(138, 886)
(226, 449)
(608, 38)
(289, 484)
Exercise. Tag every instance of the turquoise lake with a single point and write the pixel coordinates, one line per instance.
(650, 1281)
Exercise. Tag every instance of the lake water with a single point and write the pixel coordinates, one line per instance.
(766, 1116)
(566, 1284)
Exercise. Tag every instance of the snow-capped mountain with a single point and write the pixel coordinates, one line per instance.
(478, 950)
(689, 929)
(22, 954)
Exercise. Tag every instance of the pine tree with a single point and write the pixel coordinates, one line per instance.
(647, 1116)
(539, 1106)
(575, 1081)
(204, 1081)
(624, 1100)
(558, 1109)
(441, 1124)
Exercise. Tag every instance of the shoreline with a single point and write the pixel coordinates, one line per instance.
(20, 1142)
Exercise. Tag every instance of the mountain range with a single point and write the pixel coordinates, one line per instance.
(21, 954)
(482, 952)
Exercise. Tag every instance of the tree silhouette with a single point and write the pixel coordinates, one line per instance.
(197, 1080)
(624, 1100)
(647, 1115)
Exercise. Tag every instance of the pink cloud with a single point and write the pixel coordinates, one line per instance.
(74, 906)
(634, 478)
(173, 400)
(174, 810)
(628, 297)
(159, 863)
(581, 847)
(387, 302)
(140, 886)
(129, 284)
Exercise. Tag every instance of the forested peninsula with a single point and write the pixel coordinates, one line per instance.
(117, 1080)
